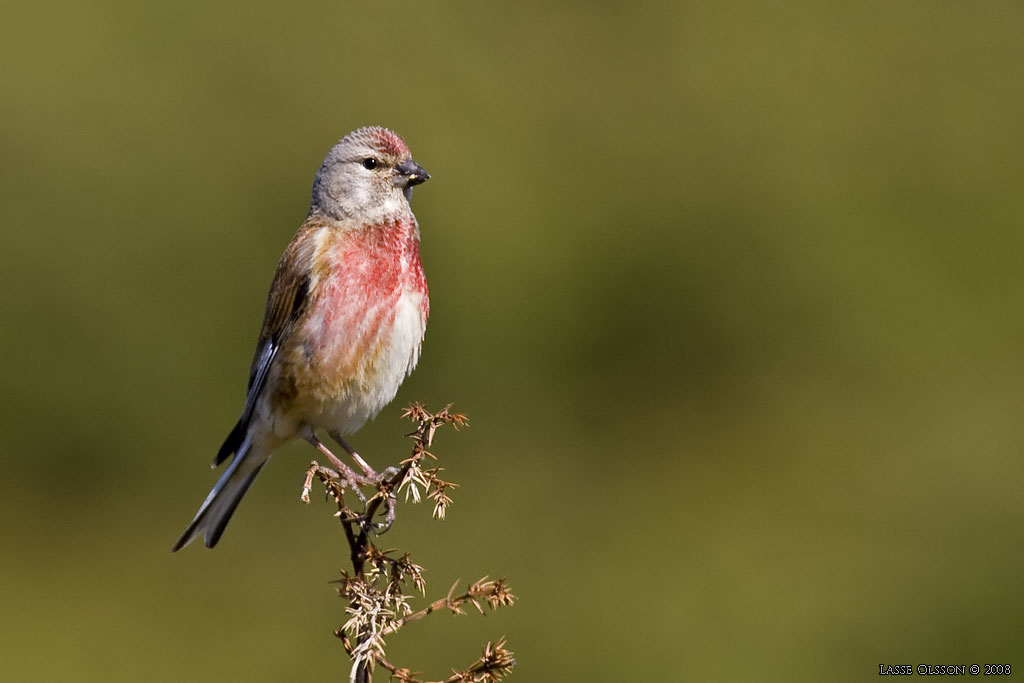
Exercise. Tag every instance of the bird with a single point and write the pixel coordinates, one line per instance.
(344, 320)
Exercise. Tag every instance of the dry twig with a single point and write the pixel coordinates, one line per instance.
(375, 590)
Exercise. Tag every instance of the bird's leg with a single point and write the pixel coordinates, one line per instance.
(389, 515)
(363, 465)
(346, 472)
(385, 481)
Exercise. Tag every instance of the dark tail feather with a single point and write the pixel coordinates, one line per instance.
(220, 504)
(231, 444)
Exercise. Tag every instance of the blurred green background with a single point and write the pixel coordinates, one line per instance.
(731, 292)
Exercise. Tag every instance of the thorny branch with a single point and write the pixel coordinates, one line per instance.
(495, 593)
(493, 665)
(377, 603)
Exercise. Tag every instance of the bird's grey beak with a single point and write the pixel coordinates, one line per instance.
(410, 173)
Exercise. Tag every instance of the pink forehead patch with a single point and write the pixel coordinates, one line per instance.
(389, 142)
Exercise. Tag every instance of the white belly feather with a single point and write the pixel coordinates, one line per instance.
(397, 358)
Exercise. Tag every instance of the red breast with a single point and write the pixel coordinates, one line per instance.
(366, 273)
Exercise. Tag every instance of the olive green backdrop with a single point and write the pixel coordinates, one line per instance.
(731, 292)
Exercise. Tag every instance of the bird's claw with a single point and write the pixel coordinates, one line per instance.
(388, 474)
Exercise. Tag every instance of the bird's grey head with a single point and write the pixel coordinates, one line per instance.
(368, 175)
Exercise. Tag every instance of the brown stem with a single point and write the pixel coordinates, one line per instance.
(416, 616)
(446, 601)
(361, 547)
(359, 550)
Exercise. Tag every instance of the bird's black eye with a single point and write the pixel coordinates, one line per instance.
(369, 163)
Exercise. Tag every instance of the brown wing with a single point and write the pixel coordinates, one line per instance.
(289, 295)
